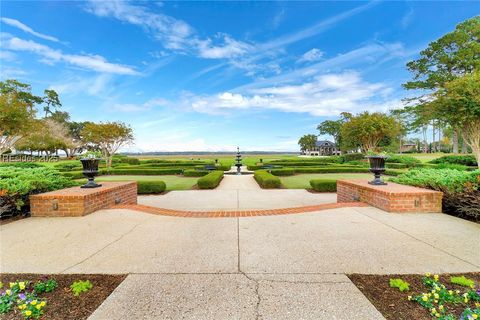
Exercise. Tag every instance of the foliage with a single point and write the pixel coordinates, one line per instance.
(347, 157)
(26, 301)
(307, 142)
(45, 286)
(195, 173)
(146, 171)
(283, 172)
(439, 298)
(333, 128)
(211, 180)
(324, 185)
(16, 184)
(461, 188)
(400, 284)
(80, 286)
(21, 164)
(409, 161)
(467, 160)
(266, 180)
(108, 137)
(366, 131)
(462, 281)
(150, 187)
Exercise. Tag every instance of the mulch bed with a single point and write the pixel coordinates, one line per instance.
(61, 303)
(394, 304)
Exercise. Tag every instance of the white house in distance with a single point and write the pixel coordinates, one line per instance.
(323, 148)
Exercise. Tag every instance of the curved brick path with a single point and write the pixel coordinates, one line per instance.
(238, 213)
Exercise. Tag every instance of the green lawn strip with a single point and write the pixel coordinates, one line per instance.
(173, 182)
(302, 181)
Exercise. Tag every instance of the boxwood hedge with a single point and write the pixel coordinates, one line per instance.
(283, 172)
(195, 173)
(266, 179)
(211, 180)
(324, 185)
(150, 187)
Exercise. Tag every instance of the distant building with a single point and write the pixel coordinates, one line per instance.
(323, 148)
(408, 147)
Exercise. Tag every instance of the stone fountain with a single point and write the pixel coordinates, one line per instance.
(238, 161)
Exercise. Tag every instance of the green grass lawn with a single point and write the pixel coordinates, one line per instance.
(302, 181)
(425, 157)
(173, 182)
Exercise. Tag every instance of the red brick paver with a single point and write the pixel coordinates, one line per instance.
(237, 213)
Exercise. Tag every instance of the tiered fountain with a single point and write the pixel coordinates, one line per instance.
(238, 161)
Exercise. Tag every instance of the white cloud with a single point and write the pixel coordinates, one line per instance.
(324, 95)
(229, 49)
(51, 56)
(23, 27)
(311, 55)
(131, 107)
(93, 86)
(7, 55)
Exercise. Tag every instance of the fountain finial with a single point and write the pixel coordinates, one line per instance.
(238, 161)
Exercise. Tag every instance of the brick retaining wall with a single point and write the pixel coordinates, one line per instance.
(392, 197)
(74, 202)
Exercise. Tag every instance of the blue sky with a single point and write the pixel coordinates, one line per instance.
(195, 76)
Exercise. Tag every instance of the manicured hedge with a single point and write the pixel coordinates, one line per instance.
(351, 157)
(17, 184)
(211, 180)
(173, 161)
(266, 180)
(409, 161)
(467, 160)
(396, 165)
(21, 164)
(331, 159)
(195, 173)
(150, 187)
(324, 185)
(282, 172)
(146, 171)
(130, 160)
(461, 189)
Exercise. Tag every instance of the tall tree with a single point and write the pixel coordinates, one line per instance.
(367, 130)
(453, 55)
(109, 137)
(17, 118)
(459, 101)
(307, 142)
(51, 101)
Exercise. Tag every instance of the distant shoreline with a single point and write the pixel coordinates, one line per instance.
(204, 153)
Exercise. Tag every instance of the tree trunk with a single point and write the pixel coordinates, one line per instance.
(425, 144)
(464, 146)
(434, 149)
(455, 140)
(471, 136)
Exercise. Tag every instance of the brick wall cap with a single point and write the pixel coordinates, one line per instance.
(79, 193)
(391, 188)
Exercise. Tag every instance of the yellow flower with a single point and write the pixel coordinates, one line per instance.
(21, 285)
(465, 300)
(424, 298)
(433, 310)
(38, 306)
(450, 292)
(435, 277)
(474, 316)
(427, 274)
(28, 313)
(43, 303)
(8, 292)
(436, 301)
(34, 302)
(440, 307)
(457, 291)
(409, 298)
(12, 284)
(1, 284)
(437, 315)
(436, 296)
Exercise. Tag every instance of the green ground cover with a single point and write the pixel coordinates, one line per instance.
(173, 182)
(302, 181)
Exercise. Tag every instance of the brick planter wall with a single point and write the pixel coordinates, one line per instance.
(392, 197)
(74, 202)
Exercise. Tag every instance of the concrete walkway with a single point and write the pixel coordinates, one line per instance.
(237, 192)
(272, 267)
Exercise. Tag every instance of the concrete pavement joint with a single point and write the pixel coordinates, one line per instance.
(106, 246)
(413, 237)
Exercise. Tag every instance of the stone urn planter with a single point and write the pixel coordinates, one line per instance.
(90, 170)
(377, 167)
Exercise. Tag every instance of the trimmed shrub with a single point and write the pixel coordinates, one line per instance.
(17, 184)
(21, 164)
(461, 189)
(224, 167)
(409, 161)
(282, 172)
(73, 174)
(130, 160)
(396, 165)
(351, 157)
(266, 179)
(195, 173)
(466, 160)
(150, 187)
(211, 180)
(146, 171)
(68, 166)
(324, 185)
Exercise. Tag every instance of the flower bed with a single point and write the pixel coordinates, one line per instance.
(57, 299)
(427, 297)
